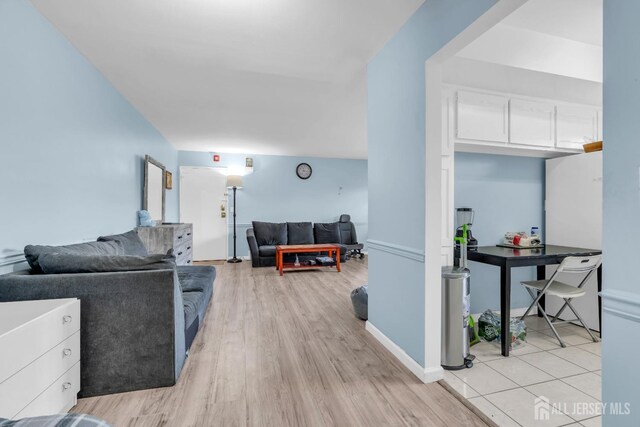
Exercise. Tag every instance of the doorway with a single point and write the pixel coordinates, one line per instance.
(203, 203)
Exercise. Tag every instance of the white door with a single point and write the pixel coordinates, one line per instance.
(203, 202)
(574, 218)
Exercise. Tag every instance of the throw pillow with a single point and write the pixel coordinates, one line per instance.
(69, 263)
(131, 243)
(269, 233)
(300, 233)
(34, 252)
(326, 232)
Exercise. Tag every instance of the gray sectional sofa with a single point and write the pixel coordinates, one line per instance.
(139, 313)
(265, 236)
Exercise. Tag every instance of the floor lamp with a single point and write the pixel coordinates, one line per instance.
(234, 182)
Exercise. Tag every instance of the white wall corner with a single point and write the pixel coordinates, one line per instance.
(426, 375)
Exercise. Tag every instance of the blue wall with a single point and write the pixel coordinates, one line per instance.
(396, 133)
(507, 194)
(621, 296)
(72, 147)
(274, 193)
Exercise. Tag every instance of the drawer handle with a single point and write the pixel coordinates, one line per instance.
(179, 237)
(67, 319)
(188, 247)
(189, 262)
(66, 386)
(179, 253)
(188, 234)
(66, 352)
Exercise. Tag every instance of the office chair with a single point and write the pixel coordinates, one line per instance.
(349, 238)
(571, 265)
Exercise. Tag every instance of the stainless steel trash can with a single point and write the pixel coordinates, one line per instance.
(455, 318)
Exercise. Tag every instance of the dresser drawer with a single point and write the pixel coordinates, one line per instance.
(181, 239)
(183, 248)
(21, 346)
(23, 387)
(58, 398)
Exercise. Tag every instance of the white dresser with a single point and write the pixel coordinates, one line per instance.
(162, 238)
(40, 357)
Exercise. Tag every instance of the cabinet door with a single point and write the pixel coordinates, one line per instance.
(447, 123)
(446, 256)
(447, 201)
(574, 124)
(531, 123)
(482, 117)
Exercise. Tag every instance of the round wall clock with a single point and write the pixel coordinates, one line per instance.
(303, 171)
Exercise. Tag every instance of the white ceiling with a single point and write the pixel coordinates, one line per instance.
(559, 37)
(578, 20)
(249, 76)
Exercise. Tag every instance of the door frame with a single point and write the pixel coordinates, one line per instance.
(223, 170)
(433, 175)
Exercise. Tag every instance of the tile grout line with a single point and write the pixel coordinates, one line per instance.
(500, 410)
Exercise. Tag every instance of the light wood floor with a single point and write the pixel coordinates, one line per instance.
(286, 351)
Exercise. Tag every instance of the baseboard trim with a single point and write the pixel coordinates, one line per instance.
(392, 248)
(426, 375)
(621, 304)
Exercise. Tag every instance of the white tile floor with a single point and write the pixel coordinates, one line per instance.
(505, 389)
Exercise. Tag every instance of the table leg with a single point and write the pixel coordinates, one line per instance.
(277, 260)
(280, 263)
(337, 253)
(542, 274)
(505, 307)
(599, 273)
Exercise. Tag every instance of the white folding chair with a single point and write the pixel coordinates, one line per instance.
(570, 265)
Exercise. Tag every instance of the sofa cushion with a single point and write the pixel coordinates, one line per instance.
(191, 301)
(270, 233)
(33, 252)
(267, 250)
(131, 243)
(326, 232)
(196, 278)
(70, 263)
(300, 233)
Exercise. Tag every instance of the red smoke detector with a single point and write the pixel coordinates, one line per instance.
(216, 157)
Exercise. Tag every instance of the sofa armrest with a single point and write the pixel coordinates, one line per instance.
(131, 328)
(253, 248)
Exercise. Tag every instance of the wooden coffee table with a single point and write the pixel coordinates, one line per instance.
(331, 250)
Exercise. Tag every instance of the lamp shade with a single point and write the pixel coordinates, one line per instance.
(234, 181)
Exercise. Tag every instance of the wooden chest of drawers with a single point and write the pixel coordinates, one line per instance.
(40, 369)
(161, 238)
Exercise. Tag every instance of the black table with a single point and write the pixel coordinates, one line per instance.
(507, 258)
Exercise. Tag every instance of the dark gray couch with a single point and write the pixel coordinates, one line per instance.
(265, 236)
(137, 323)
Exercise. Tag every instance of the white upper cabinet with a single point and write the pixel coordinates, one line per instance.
(482, 117)
(531, 123)
(574, 124)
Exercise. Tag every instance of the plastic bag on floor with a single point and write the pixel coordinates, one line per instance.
(489, 326)
(360, 301)
(489, 329)
(518, 331)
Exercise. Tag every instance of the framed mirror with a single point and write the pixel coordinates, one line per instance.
(154, 188)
